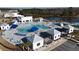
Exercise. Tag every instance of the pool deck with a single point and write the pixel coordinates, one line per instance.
(11, 37)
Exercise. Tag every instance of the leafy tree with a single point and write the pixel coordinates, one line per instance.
(67, 14)
(25, 46)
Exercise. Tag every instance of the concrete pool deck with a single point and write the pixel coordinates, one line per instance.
(10, 37)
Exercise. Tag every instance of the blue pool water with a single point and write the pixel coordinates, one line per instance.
(34, 28)
(31, 28)
(23, 29)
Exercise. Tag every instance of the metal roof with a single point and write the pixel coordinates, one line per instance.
(53, 31)
(34, 38)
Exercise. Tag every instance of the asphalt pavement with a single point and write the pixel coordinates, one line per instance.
(67, 46)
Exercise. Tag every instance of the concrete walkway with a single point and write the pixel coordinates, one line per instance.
(6, 46)
(3, 48)
(52, 46)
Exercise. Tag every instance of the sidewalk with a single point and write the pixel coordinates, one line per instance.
(3, 48)
(52, 46)
(4, 44)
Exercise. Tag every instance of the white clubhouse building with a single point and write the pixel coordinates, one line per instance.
(36, 41)
(26, 19)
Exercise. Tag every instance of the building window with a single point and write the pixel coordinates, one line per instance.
(55, 36)
(71, 30)
(58, 35)
(7, 27)
(19, 21)
(23, 21)
(27, 20)
(38, 44)
(3, 27)
(0, 28)
(30, 20)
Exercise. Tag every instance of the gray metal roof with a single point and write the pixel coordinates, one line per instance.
(34, 38)
(68, 26)
(53, 31)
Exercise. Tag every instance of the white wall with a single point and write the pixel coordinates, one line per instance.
(35, 44)
(7, 27)
(6, 15)
(71, 30)
(15, 14)
(15, 22)
(11, 15)
(41, 19)
(26, 19)
(57, 36)
(62, 25)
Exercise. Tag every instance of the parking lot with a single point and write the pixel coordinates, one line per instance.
(67, 46)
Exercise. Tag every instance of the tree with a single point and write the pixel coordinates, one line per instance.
(67, 14)
(26, 46)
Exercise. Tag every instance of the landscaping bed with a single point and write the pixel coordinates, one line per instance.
(76, 34)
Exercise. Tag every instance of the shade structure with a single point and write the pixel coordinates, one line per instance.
(13, 26)
(24, 39)
(33, 29)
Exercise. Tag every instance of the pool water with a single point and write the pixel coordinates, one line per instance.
(23, 29)
(31, 28)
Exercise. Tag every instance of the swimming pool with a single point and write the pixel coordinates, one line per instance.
(24, 29)
(31, 28)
